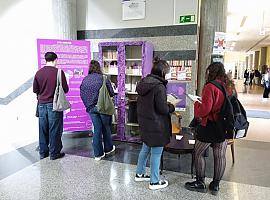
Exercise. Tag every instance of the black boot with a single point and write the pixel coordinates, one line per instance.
(214, 187)
(197, 185)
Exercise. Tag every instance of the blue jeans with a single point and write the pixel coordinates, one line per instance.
(50, 130)
(154, 161)
(102, 129)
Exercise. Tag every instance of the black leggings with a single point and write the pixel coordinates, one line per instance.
(219, 151)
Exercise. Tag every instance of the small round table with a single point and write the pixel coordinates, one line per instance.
(181, 146)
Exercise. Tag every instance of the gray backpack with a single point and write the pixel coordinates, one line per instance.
(105, 103)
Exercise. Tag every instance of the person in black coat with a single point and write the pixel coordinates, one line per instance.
(154, 122)
(251, 77)
(246, 76)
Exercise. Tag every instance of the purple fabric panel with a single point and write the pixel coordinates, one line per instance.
(121, 91)
(147, 58)
(133, 43)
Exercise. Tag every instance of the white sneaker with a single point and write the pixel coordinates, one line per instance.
(100, 157)
(113, 149)
(158, 185)
(142, 177)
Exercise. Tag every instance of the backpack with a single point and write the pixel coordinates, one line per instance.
(105, 103)
(232, 116)
(241, 124)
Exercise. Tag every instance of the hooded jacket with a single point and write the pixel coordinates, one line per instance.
(153, 111)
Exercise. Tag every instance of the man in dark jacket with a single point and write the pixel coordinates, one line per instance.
(154, 121)
(50, 122)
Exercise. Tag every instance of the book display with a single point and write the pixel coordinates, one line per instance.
(180, 70)
(125, 64)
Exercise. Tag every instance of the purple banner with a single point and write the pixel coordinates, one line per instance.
(178, 89)
(73, 59)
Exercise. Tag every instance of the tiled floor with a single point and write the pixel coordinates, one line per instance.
(81, 178)
(251, 98)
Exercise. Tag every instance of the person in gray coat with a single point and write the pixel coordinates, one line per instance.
(154, 122)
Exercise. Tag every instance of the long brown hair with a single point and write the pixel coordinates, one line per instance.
(94, 67)
(215, 71)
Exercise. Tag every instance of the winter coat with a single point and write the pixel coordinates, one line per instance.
(154, 111)
(208, 111)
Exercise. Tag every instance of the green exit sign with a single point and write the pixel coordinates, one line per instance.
(187, 19)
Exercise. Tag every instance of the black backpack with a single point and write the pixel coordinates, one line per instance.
(241, 124)
(233, 118)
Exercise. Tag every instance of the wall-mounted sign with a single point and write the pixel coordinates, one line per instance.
(219, 43)
(133, 9)
(186, 19)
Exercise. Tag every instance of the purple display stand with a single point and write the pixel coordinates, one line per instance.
(147, 57)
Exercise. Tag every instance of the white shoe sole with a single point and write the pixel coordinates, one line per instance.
(111, 151)
(142, 179)
(156, 187)
(99, 158)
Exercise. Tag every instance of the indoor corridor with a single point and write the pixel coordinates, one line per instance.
(258, 110)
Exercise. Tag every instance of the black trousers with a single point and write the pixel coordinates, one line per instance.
(266, 92)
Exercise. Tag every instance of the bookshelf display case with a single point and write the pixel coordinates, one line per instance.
(125, 64)
(180, 70)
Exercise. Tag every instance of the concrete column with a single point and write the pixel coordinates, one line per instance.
(263, 56)
(213, 17)
(64, 12)
(250, 61)
(256, 59)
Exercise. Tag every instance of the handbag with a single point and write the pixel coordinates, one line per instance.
(105, 103)
(60, 102)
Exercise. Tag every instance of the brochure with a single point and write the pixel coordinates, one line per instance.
(173, 99)
(194, 98)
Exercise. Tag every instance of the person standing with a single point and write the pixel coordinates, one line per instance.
(50, 122)
(257, 75)
(251, 76)
(154, 122)
(207, 134)
(89, 91)
(266, 82)
(246, 76)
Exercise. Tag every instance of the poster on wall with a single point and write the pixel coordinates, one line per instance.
(73, 59)
(219, 43)
(179, 90)
(133, 9)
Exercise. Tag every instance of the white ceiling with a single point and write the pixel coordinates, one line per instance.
(256, 16)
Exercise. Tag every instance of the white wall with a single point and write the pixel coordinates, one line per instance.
(107, 14)
(21, 22)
